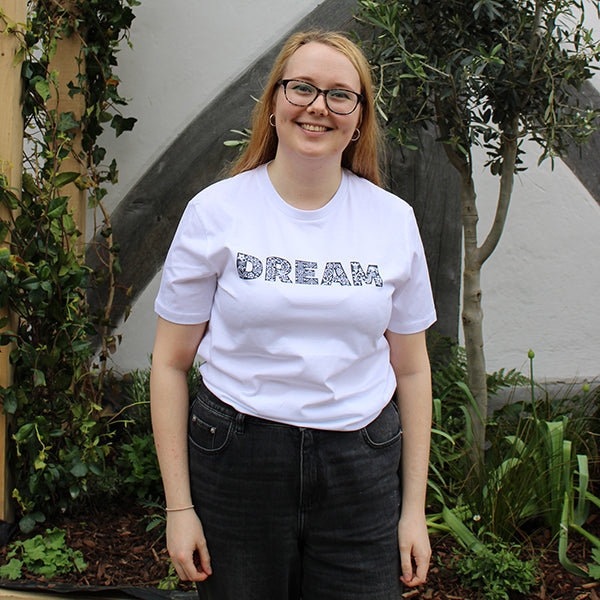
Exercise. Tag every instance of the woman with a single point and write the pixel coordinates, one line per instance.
(303, 287)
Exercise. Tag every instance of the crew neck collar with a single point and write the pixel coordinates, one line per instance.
(298, 213)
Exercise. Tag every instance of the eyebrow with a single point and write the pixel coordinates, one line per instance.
(337, 86)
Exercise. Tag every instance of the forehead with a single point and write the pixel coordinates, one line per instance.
(322, 64)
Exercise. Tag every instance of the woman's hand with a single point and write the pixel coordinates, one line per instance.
(415, 550)
(186, 542)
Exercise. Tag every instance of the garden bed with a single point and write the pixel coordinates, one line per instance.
(121, 555)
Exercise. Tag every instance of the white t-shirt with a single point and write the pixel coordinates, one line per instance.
(298, 300)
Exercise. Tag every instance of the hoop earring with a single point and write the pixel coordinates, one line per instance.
(356, 135)
(272, 120)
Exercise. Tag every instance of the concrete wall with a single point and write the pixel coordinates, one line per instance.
(540, 286)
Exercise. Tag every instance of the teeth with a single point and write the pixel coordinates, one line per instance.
(309, 127)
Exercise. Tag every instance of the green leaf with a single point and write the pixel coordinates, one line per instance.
(8, 197)
(42, 87)
(120, 124)
(10, 404)
(39, 379)
(12, 570)
(19, 55)
(79, 469)
(28, 522)
(80, 564)
(63, 179)
(67, 121)
(29, 184)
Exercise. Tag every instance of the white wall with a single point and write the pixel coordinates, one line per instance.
(541, 286)
(184, 53)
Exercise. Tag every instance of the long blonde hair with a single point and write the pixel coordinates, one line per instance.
(360, 157)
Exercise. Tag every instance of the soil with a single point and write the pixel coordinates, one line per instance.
(121, 554)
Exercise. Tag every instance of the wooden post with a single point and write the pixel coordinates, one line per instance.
(68, 62)
(11, 165)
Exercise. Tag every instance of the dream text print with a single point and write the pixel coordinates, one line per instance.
(276, 268)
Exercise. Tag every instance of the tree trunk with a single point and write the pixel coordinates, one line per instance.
(472, 320)
(475, 257)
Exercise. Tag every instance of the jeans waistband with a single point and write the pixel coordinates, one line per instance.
(210, 399)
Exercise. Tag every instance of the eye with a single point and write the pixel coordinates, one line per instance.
(342, 95)
(305, 89)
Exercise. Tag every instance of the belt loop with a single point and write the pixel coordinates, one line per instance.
(239, 423)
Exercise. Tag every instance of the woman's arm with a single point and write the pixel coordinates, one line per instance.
(408, 355)
(174, 351)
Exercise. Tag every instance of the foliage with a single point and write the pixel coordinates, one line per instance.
(594, 568)
(489, 75)
(155, 518)
(452, 421)
(572, 519)
(59, 446)
(473, 68)
(43, 555)
(490, 563)
(551, 454)
(497, 570)
(170, 581)
(452, 368)
(137, 472)
(138, 460)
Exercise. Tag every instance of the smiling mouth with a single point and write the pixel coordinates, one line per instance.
(316, 128)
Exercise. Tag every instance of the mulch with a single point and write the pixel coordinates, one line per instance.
(121, 554)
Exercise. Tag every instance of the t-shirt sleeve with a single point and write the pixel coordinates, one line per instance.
(189, 279)
(413, 308)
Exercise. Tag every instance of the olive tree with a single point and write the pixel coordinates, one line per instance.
(489, 74)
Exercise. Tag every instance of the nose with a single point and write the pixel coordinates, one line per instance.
(319, 104)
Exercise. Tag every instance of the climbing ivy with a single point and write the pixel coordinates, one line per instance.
(58, 428)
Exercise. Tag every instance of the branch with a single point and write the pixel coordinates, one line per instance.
(537, 21)
(509, 159)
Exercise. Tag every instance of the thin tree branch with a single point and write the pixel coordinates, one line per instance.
(509, 160)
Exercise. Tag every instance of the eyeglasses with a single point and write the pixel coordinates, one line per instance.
(337, 100)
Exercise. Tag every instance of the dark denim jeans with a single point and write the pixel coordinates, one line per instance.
(294, 513)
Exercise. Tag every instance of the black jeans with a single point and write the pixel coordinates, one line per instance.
(291, 512)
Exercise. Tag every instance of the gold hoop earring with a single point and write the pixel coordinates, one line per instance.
(272, 120)
(356, 135)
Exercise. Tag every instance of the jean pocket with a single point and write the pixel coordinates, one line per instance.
(209, 430)
(385, 430)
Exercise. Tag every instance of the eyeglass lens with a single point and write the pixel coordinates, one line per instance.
(338, 101)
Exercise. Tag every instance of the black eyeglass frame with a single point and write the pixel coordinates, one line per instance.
(359, 97)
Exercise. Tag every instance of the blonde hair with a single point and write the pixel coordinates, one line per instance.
(360, 157)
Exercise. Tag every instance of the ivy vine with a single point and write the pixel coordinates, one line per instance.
(58, 428)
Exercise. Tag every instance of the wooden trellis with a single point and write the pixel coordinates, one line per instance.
(67, 63)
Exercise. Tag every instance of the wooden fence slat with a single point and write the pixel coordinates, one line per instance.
(68, 63)
(11, 164)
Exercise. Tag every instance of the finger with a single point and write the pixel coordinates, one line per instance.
(422, 570)
(418, 574)
(191, 572)
(203, 557)
(406, 566)
(186, 569)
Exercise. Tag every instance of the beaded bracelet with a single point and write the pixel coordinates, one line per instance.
(179, 509)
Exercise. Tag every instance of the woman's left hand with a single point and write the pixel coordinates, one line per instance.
(415, 550)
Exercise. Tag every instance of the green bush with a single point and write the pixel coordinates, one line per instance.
(497, 571)
(43, 555)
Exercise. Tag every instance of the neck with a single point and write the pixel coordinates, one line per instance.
(307, 185)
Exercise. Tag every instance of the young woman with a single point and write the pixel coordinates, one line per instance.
(302, 286)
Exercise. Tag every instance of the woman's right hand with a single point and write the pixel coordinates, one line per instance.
(185, 538)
